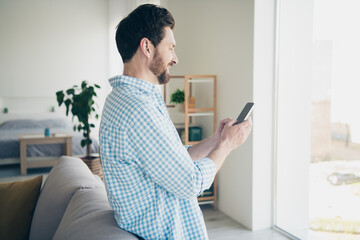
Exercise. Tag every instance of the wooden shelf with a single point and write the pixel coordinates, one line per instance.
(196, 112)
(189, 113)
(201, 81)
(200, 114)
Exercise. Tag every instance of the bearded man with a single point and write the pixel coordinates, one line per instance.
(152, 180)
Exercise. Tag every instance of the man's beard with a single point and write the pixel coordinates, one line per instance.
(155, 68)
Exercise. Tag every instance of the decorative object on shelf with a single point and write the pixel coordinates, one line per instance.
(178, 98)
(195, 134)
(81, 102)
(47, 132)
(6, 110)
(191, 104)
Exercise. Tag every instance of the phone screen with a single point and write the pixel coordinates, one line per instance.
(245, 113)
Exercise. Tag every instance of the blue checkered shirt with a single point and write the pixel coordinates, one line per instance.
(151, 181)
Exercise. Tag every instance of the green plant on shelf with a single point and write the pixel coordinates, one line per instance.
(178, 96)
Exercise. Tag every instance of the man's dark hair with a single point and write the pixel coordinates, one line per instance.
(147, 21)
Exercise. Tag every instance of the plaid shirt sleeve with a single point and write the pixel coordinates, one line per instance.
(163, 156)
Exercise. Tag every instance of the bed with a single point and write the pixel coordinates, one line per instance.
(11, 129)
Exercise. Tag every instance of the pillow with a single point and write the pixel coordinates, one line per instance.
(17, 204)
(90, 217)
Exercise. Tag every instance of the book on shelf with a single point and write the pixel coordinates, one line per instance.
(208, 192)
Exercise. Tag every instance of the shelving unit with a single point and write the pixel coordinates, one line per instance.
(190, 113)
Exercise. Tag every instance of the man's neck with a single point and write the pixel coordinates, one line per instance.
(139, 71)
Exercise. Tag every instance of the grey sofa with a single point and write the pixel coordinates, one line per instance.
(73, 205)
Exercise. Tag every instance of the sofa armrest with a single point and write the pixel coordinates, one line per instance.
(67, 176)
(90, 217)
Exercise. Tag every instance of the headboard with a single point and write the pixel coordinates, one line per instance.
(30, 107)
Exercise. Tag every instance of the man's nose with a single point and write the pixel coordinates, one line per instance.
(175, 60)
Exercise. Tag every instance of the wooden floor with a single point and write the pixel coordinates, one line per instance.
(222, 227)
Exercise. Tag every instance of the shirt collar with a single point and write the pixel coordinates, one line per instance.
(122, 80)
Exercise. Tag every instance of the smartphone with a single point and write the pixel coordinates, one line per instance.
(245, 113)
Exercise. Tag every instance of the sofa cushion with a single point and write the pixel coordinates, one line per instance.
(17, 204)
(66, 177)
(88, 217)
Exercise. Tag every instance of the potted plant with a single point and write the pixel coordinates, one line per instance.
(178, 97)
(80, 101)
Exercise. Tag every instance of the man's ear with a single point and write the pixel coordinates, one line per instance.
(146, 47)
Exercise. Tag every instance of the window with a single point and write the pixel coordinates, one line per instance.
(317, 136)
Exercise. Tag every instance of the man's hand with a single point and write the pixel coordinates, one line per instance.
(220, 128)
(231, 137)
(226, 138)
(207, 145)
(234, 136)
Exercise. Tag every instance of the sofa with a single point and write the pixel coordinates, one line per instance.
(73, 204)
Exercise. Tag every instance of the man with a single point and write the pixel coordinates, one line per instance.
(152, 180)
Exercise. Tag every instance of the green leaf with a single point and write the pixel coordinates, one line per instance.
(97, 86)
(83, 142)
(74, 128)
(97, 116)
(67, 104)
(92, 125)
(83, 85)
(60, 97)
(70, 91)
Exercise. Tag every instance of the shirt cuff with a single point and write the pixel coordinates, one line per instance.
(187, 147)
(207, 169)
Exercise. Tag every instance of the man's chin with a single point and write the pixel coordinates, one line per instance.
(164, 78)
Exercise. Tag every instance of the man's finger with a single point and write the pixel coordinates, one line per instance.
(232, 122)
(226, 120)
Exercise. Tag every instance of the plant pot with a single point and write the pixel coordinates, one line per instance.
(180, 107)
(94, 164)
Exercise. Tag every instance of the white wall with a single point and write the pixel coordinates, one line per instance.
(216, 37)
(263, 82)
(47, 46)
(294, 115)
(118, 9)
(68, 41)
